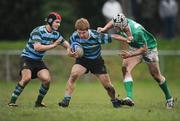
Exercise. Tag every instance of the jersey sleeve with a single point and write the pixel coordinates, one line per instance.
(104, 38)
(73, 38)
(35, 37)
(60, 37)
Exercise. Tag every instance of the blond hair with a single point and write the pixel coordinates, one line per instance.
(82, 24)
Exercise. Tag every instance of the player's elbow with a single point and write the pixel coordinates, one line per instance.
(38, 48)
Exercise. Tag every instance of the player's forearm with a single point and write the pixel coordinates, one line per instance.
(139, 51)
(120, 38)
(39, 47)
(108, 26)
(66, 44)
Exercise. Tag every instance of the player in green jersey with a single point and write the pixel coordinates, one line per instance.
(142, 47)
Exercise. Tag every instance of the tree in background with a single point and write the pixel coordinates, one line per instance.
(91, 9)
(18, 17)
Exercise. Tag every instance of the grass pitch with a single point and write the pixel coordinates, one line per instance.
(89, 103)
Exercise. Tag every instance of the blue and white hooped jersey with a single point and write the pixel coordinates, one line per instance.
(39, 34)
(91, 46)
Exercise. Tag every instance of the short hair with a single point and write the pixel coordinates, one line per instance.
(82, 24)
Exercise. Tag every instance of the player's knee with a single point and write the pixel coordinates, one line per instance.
(47, 82)
(74, 75)
(26, 78)
(46, 79)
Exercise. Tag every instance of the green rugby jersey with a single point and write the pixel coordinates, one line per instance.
(140, 36)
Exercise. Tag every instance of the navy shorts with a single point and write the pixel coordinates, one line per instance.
(95, 66)
(34, 65)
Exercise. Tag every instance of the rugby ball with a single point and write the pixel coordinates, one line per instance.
(77, 48)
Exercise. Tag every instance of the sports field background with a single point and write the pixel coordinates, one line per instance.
(90, 101)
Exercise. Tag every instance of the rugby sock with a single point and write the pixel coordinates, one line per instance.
(165, 89)
(16, 93)
(128, 88)
(67, 98)
(42, 92)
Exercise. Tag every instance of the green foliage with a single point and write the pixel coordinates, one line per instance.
(89, 103)
(20, 17)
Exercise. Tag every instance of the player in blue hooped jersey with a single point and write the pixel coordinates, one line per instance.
(92, 61)
(41, 39)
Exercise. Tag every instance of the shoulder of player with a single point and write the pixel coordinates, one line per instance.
(38, 30)
(74, 36)
(93, 33)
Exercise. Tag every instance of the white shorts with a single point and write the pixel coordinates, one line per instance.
(150, 56)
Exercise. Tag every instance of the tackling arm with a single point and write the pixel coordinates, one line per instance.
(68, 48)
(120, 38)
(39, 47)
(108, 26)
(127, 54)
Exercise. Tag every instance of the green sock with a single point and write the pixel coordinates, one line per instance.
(17, 91)
(165, 89)
(42, 92)
(128, 88)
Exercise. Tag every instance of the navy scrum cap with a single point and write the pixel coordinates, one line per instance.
(52, 17)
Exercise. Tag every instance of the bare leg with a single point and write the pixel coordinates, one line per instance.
(156, 74)
(76, 71)
(127, 67)
(106, 82)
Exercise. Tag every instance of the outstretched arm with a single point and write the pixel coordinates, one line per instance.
(120, 38)
(39, 47)
(127, 54)
(68, 47)
(108, 26)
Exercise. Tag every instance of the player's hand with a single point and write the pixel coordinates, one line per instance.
(56, 42)
(71, 53)
(125, 54)
(100, 29)
(128, 41)
(130, 38)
